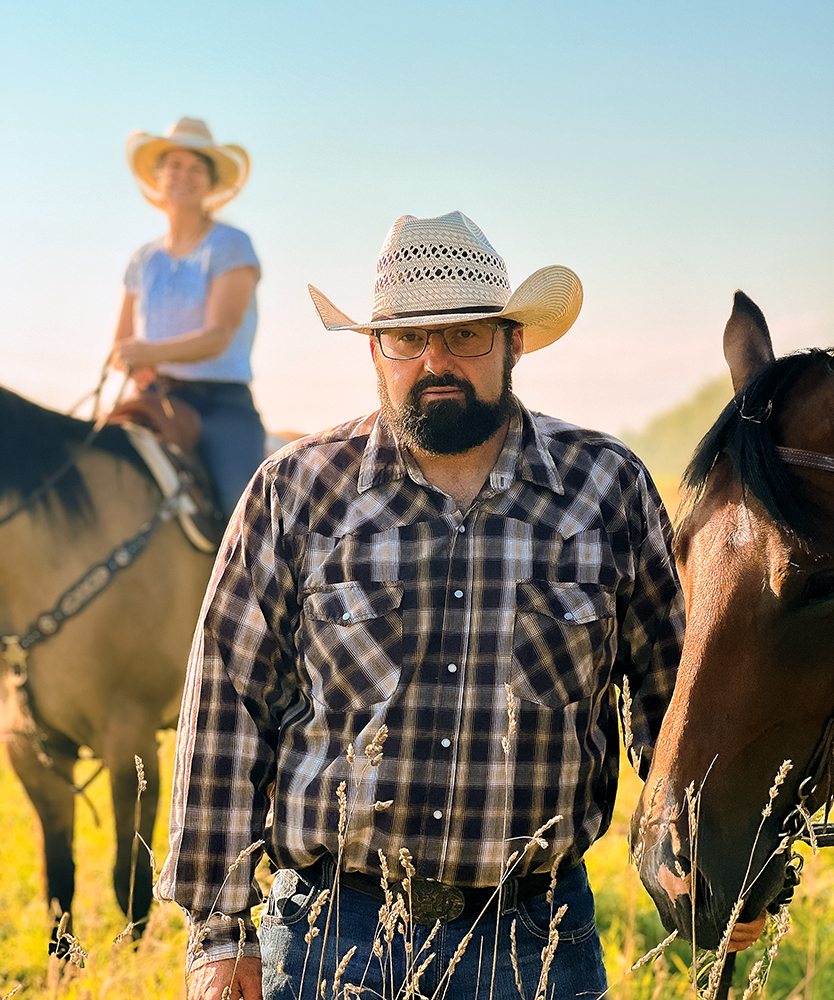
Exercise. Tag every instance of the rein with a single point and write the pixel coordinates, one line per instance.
(99, 420)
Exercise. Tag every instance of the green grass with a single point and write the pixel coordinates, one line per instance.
(804, 968)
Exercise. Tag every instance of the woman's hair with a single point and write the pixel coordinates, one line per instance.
(207, 160)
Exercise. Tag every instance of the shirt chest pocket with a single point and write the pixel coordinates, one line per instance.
(564, 641)
(350, 641)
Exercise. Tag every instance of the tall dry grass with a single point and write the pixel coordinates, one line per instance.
(803, 970)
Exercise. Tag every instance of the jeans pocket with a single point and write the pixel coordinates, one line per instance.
(292, 896)
(578, 921)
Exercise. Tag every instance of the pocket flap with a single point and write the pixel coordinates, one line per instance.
(346, 603)
(572, 603)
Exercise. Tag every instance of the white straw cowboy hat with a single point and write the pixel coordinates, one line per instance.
(231, 163)
(433, 272)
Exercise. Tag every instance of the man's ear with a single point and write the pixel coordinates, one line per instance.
(372, 345)
(517, 343)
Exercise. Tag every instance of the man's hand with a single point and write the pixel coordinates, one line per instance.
(209, 981)
(746, 934)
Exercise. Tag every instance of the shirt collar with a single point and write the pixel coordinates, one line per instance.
(524, 456)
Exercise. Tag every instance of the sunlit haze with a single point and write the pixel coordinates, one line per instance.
(668, 153)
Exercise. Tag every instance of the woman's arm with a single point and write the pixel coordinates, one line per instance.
(228, 299)
(124, 328)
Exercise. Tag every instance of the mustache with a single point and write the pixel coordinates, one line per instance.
(440, 382)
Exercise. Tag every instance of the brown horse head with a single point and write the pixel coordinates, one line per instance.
(755, 688)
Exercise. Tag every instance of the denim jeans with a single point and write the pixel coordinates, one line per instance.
(576, 969)
(232, 437)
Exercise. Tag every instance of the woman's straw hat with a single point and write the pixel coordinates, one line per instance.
(231, 162)
(434, 272)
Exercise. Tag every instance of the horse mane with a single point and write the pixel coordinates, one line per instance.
(741, 433)
(36, 442)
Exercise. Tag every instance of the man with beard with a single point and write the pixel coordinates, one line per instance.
(405, 677)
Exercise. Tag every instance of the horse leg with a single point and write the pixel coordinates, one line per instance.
(52, 793)
(134, 812)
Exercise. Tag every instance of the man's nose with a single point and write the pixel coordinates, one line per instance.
(437, 358)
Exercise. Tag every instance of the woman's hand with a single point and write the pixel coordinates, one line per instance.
(130, 355)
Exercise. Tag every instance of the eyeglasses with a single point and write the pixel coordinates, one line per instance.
(463, 341)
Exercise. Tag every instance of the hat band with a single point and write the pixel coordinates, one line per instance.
(382, 317)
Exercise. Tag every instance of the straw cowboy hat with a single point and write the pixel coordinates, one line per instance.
(434, 272)
(231, 162)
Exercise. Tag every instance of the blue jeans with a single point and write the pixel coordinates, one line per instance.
(576, 969)
(232, 437)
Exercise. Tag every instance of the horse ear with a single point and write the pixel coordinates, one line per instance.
(747, 345)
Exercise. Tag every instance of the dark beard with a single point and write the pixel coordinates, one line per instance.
(448, 427)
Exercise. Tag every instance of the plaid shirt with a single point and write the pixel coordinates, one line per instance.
(350, 593)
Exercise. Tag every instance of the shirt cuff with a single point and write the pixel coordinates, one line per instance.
(220, 936)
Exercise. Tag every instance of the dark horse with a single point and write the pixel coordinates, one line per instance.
(99, 593)
(755, 552)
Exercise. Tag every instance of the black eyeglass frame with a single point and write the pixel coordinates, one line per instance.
(429, 331)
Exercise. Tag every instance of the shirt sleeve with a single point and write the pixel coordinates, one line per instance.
(240, 678)
(652, 629)
(232, 249)
(133, 274)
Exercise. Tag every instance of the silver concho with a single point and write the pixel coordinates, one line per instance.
(47, 624)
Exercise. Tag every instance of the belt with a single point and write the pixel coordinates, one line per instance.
(432, 901)
(167, 383)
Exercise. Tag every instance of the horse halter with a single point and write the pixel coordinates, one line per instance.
(806, 459)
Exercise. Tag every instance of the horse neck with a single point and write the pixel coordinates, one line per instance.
(45, 549)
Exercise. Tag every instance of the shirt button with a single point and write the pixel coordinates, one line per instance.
(445, 743)
(462, 528)
(458, 593)
(568, 615)
(437, 814)
(452, 668)
(346, 617)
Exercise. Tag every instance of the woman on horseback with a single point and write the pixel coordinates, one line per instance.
(188, 316)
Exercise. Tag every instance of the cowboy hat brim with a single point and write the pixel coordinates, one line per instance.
(547, 304)
(231, 163)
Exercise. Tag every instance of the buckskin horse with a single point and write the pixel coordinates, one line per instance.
(99, 593)
(755, 552)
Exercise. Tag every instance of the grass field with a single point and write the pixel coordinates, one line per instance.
(804, 967)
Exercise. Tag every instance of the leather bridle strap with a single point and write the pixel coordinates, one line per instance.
(806, 459)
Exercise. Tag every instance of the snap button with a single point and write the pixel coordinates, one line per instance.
(452, 668)
(437, 814)
(568, 615)
(458, 593)
(445, 743)
(346, 617)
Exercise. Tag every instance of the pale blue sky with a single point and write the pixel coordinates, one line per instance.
(667, 152)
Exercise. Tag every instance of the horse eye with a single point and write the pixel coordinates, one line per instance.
(818, 587)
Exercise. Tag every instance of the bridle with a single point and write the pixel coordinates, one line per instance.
(806, 459)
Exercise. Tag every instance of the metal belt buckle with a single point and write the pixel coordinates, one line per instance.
(432, 901)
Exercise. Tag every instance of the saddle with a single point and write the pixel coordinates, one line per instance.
(164, 431)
